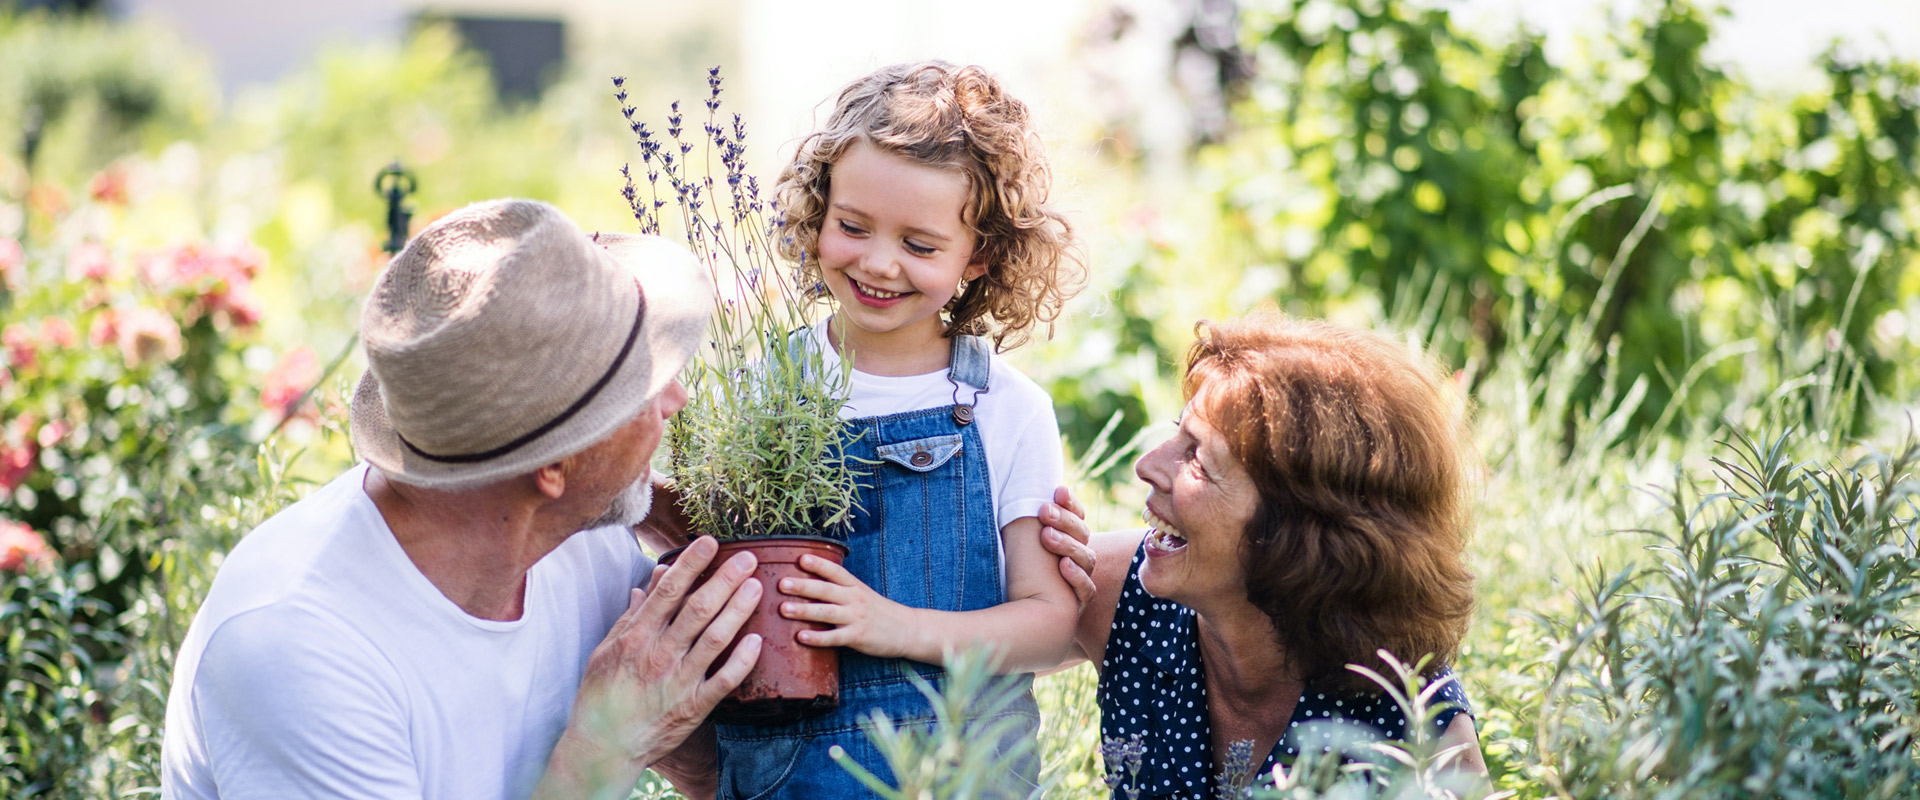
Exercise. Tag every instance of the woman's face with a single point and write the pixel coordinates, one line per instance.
(1198, 505)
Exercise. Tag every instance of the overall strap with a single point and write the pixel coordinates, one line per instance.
(972, 362)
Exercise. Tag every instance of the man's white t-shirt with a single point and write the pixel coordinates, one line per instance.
(1015, 415)
(324, 664)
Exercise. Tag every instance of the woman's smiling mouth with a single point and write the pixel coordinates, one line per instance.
(1162, 536)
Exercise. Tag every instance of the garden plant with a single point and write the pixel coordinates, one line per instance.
(757, 455)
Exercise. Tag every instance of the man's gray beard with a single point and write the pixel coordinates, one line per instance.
(629, 508)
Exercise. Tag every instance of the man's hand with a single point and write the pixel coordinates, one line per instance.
(666, 526)
(646, 686)
(1066, 535)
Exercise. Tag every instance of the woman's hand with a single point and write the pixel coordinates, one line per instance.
(863, 619)
(1066, 535)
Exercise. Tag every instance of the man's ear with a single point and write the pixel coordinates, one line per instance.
(551, 480)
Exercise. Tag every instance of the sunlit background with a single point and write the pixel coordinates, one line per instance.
(1639, 234)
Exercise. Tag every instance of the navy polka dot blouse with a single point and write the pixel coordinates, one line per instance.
(1151, 687)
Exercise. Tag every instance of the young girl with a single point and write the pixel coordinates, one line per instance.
(921, 208)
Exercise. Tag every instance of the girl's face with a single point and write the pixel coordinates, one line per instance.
(893, 251)
(1199, 501)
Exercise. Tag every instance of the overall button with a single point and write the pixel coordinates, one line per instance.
(921, 458)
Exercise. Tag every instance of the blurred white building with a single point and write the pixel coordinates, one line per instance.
(786, 57)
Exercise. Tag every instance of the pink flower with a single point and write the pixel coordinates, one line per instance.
(52, 432)
(47, 200)
(22, 548)
(182, 266)
(89, 261)
(243, 260)
(21, 349)
(220, 278)
(148, 335)
(198, 264)
(17, 453)
(13, 263)
(105, 328)
(288, 380)
(15, 463)
(110, 186)
(58, 332)
(236, 300)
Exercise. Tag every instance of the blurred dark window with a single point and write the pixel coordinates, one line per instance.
(525, 53)
(52, 5)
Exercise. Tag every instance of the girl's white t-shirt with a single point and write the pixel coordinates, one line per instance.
(1015, 415)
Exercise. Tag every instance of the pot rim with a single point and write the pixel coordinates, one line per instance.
(671, 555)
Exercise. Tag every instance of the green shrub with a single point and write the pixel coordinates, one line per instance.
(1771, 650)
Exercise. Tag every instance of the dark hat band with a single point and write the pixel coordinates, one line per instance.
(633, 335)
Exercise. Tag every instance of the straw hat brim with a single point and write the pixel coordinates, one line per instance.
(678, 299)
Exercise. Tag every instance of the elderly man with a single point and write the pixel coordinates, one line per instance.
(458, 617)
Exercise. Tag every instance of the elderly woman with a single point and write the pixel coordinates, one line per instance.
(1310, 511)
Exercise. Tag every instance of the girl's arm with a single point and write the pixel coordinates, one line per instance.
(1032, 631)
(1113, 551)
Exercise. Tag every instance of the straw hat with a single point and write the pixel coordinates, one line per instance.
(503, 339)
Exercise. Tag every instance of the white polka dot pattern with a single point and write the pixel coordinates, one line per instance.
(1151, 686)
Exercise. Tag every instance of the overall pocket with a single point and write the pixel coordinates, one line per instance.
(922, 502)
(921, 455)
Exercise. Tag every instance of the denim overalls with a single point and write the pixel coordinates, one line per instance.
(924, 537)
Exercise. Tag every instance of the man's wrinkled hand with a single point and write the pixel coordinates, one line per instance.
(646, 686)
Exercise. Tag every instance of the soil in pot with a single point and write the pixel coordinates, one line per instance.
(791, 680)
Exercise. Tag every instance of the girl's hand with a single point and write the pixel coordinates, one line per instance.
(862, 618)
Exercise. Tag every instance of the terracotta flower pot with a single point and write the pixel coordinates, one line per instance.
(791, 680)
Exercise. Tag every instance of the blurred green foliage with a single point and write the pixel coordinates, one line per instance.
(77, 92)
(1385, 159)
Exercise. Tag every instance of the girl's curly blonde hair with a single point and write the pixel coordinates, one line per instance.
(956, 119)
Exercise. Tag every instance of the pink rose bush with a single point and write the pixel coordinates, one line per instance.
(129, 427)
(297, 372)
(21, 548)
(12, 264)
(122, 376)
(219, 279)
(17, 453)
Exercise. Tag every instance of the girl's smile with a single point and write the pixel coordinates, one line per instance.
(893, 251)
(874, 297)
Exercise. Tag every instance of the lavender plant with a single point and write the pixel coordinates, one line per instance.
(972, 748)
(1337, 761)
(1235, 780)
(1123, 758)
(757, 451)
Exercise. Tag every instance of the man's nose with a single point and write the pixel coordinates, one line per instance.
(673, 398)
